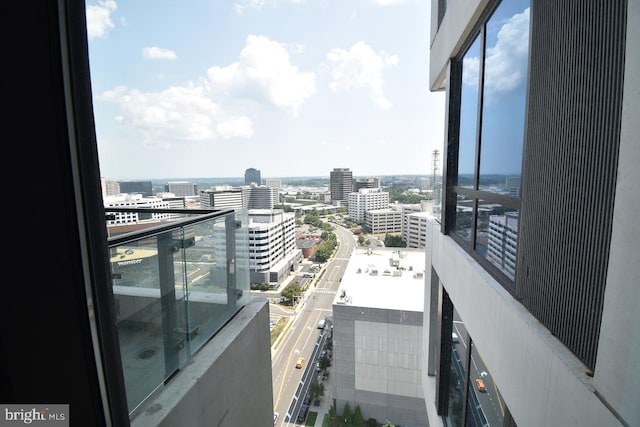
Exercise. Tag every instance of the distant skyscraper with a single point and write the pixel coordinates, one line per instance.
(136, 187)
(370, 182)
(340, 184)
(252, 175)
(273, 182)
(181, 188)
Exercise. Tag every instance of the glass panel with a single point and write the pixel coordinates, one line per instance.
(504, 95)
(485, 406)
(458, 376)
(173, 291)
(497, 236)
(148, 304)
(464, 215)
(468, 114)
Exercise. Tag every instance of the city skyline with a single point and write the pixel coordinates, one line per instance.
(292, 88)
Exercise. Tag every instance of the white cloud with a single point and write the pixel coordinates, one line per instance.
(99, 21)
(241, 6)
(360, 68)
(506, 62)
(178, 113)
(155, 52)
(264, 73)
(505, 66)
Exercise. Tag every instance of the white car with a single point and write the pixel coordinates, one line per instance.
(275, 417)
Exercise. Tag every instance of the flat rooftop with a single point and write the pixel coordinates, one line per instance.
(388, 278)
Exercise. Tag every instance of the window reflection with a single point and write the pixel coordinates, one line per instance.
(464, 216)
(469, 112)
(497, 236)
(484, 402)
(458, 374)
(504, 93)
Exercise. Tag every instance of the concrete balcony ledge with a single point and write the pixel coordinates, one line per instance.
(231, 373)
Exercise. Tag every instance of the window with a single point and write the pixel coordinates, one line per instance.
(484, 184)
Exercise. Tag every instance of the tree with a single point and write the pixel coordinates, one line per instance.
(291, 291)
(347, 416)
(358, 420)
(392, 241)
(316, 391)
(360, 239)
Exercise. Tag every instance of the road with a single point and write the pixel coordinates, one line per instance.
(301, 338)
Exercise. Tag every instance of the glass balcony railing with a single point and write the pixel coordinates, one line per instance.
(175, 284)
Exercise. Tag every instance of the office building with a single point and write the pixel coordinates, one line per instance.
(340, 184)
(272, 245)
(181, 188)
(415, 228)
(382, 221)
(72, 333)
(110, 187)
(144, 188)
(366, 199)
(370, 182)
(135, 201)
(531, 315)
(222, 198)
(273, 183)
(377, 329)
(252, 175)
(259, 196)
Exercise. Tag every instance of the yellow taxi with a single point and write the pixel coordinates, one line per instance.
(299, 362)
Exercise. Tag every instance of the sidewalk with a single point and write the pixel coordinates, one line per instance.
(327, 400)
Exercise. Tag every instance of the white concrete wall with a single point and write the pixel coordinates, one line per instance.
(541, 381)
(617, 373)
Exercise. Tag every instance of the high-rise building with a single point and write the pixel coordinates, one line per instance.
(222, 198)
(370, 182)
(340, 184)
(272, 242)
(366, 199)
(377, 326)
(181, 188)
(259, 196)
(273, 183)
(531, 316)
(252, 175)
(144, 188)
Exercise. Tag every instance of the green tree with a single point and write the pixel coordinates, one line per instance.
(316, 390)
(358, 420)
(291, 291)
(347, 415)
(360, 239)
(388, 424)
(392, 241)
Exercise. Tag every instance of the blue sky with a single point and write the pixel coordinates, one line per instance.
(290, 87)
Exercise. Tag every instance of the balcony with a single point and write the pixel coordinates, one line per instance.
(176, 283)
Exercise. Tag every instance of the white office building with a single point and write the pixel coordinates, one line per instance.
(134, 201)
(366, 199)
(272, 245)
(377, 329)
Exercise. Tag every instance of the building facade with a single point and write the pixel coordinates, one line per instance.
(144, 188)
(370, 182)
(252, 175)
(377, 328)
(272, 245)
(222, 198)
(366, 199)
(259, 196)
(181, 188)
(340, 184)
(530, 318)
(381, 221)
